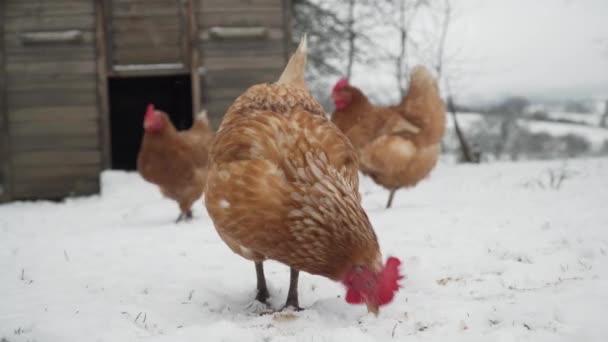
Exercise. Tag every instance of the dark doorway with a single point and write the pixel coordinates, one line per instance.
(128, 100)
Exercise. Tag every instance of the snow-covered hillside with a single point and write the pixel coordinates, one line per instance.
(491, 252)
(596, 136)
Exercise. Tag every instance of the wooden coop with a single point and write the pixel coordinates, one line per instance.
(76, 75)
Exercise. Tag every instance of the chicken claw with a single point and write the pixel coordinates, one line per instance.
(187, 216)
(258, 308)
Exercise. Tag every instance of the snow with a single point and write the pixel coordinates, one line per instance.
(492, 253)
(597, 136)
(582, 118)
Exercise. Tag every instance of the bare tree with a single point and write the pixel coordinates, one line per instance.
(350, 24)
(604, 122)
(407, 10)
(446, 14)
(325, 30)
(443, 35)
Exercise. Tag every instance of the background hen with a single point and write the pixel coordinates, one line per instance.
(283, 185)
(175, 161)
(398, 145)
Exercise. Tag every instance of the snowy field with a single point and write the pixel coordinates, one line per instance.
(491, 252)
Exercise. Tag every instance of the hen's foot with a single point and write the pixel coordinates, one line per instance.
(187, 216)
(259, 308)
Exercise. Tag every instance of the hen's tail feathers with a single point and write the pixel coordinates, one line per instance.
(421, 80)
(201, 119)
(294, 71)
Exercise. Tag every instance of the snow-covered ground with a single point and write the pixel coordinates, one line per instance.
(491, 252)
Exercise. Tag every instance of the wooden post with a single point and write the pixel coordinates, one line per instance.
(107, 31)
(467, 154)
(194, 57)
(5, 156)
(287, 38)
(103, 103)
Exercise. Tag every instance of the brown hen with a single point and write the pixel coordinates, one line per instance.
(398, 145)
(283, 184)
(175, 161)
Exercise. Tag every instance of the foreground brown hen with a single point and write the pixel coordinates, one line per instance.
(398, 145)
(175, 161)
(283, 185)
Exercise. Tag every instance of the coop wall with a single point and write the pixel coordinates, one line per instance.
(52, 146)
(56, 57)
(242, 42)
(4, 138)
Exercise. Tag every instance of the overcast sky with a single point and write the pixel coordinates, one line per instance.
(533, 47)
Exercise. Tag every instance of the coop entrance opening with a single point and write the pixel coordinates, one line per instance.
(129, 97)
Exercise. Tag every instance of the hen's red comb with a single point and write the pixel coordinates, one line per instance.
(343, 82)
(390, 281)
(150, 110)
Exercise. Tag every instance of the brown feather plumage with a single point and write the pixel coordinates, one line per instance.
(176, 161)
(283, 184)
(398, 145)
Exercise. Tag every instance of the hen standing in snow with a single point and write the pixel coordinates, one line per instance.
(283, 185)
(398, 145)
(175, 161)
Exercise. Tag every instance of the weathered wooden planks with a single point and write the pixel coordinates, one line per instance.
(223, 4)
(5, 162)
(147, 32)
(28, 8)
(56, 127)
(42, 23)
(133, 55)
(54, 142)
(56, 188)
(48, 158)
(233, 63)
(30, 67)
(271, 17)
(243, 62)
(55, 57)
(52, 114)
(101, 80)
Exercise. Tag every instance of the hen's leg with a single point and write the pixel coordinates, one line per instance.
(263, 294)
(184, 216)
(292, 294)
(390, 198)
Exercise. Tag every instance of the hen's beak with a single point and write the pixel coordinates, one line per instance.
(373, 308)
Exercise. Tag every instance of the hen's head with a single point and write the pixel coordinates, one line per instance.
(341, 94)
(153, 120)
(373, 288)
